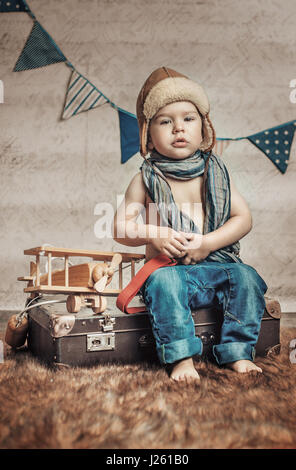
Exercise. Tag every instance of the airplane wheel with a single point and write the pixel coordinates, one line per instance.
(73, 303)
(102, 305)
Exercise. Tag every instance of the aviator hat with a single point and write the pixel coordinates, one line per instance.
(165, 86)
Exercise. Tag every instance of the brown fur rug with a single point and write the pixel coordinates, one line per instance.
(138, 407)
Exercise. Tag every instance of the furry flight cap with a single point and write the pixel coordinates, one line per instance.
(165, 86)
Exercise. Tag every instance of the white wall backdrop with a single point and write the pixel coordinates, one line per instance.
(53, 173)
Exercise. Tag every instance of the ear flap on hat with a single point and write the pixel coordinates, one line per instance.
(209, 135)
(143, 138)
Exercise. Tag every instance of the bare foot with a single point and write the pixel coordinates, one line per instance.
(243, 366)
(184, 371)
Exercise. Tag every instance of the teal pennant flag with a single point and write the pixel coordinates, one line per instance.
(81, 96)
(13, 6)
(40, 50)
(276, 143)
(129, 134)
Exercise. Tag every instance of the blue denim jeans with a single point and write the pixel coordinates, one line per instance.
(170, 293)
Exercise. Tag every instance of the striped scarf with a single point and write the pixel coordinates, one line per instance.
(216, 195)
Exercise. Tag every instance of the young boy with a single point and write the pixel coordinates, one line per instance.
(199, 221)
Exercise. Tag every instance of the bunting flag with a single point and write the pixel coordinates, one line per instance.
(276, 143)
(40, 50)
(12, 5)
(129, 134)
(81, 96)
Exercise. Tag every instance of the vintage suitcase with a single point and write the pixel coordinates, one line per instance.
(83, 339)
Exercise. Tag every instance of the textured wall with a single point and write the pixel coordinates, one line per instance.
(54, 173)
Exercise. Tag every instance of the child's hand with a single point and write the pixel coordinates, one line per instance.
(170, 242)
(197, 249)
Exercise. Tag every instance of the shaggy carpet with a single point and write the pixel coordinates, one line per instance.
(138, 407)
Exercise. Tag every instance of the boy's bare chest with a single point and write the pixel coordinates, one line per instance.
(187, 196)
(188, 191)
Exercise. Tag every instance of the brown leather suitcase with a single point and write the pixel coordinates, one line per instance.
(84, 339)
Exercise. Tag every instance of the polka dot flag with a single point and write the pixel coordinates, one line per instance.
(12, 5)
(276, 143)
(40, 50)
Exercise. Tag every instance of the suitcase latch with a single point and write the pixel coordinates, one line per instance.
(100, 342)
(107, 322)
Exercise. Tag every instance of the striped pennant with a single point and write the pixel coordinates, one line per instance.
(81, 96)
(220, 146)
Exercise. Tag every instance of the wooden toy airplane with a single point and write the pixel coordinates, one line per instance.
(84, 283)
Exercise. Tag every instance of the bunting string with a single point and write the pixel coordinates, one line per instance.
(40, 50)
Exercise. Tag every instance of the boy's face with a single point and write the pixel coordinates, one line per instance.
(176, 130)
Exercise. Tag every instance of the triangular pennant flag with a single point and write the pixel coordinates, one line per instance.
(220, 146)
(276, 143)
(81, 96)
(129, 135)
(40, 50)
(12, 5)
